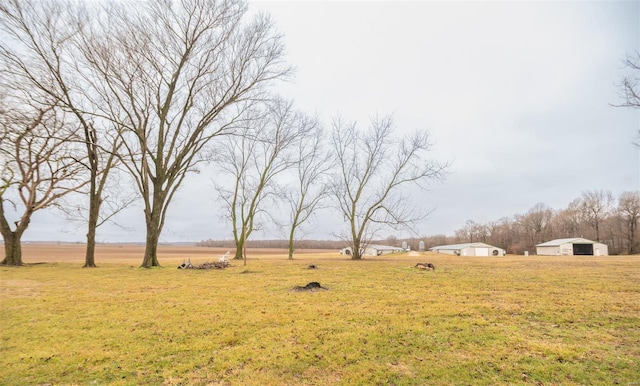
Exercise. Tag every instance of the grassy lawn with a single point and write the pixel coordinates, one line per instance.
(479, 321)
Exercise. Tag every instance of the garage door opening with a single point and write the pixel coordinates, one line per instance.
(583, 249)
(482, 251)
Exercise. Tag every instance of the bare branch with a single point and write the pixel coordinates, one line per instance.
(40, 164)
(374, 167)
(252, 161)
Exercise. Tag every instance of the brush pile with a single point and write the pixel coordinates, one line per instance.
(208, 265)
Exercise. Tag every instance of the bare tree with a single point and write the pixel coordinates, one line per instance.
(569, 222)
(262, 150)
(373, 168)
(504, 235)
(629, 85)
(629, 211)
(630, 90)
(174, 75)
(596, 206)
(309, 188)
(473, 232)
(40, 165)
(465, 234)
(537, 224)
(39, 51)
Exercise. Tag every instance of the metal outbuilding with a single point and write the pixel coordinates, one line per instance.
(469, 249)
(576, 246)
(374, 250)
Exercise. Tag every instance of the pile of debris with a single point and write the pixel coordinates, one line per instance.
(313, 286)
(208, 265)
(425, 266)
(213, 265)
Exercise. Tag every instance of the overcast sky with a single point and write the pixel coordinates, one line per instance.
(517, 95)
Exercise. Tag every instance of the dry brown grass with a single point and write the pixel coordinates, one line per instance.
(34, 253)
(485, 321)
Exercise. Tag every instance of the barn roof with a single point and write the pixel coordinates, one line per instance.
(384, 247)
(571, 240)
(453, 247)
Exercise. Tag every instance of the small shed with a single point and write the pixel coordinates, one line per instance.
(374, 250)
(469, 249)
(576, 246)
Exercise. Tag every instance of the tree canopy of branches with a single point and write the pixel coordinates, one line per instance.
(596, 206)
(39, 52)
(628, 211)
(173, 75)
(307, 191)
(536, 223)
(372, 166)
(629, 86)
(630, 89)
(39, 165)
(263, 148)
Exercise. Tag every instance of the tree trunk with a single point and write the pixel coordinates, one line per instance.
(290, 249)
(153, 236)
(154, 218)
(356, 254)
(239, 248)
(291, 234)
(632, 235)
(94, 194)
(92, 224)
(89, 259)
(12, 249)
(151, 249)
(241, 244)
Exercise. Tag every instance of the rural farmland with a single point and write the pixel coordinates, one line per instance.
(567, 320)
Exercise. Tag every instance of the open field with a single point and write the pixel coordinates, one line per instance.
(133, 253)
(480, 321)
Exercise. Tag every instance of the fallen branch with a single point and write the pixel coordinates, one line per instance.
(425, 266)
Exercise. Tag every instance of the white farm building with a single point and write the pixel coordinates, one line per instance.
(374, 250)
(576, 246)
(469, 249)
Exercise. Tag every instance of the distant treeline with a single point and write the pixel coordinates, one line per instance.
(412, 243)
(596, 215)
(312, 244)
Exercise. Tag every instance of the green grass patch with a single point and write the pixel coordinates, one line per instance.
(480, 321)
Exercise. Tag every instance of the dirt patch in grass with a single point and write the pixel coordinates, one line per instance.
(310, 287)
(13, 288)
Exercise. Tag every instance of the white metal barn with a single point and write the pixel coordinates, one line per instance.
(469, 249)
(576, 246)
(374, 250)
